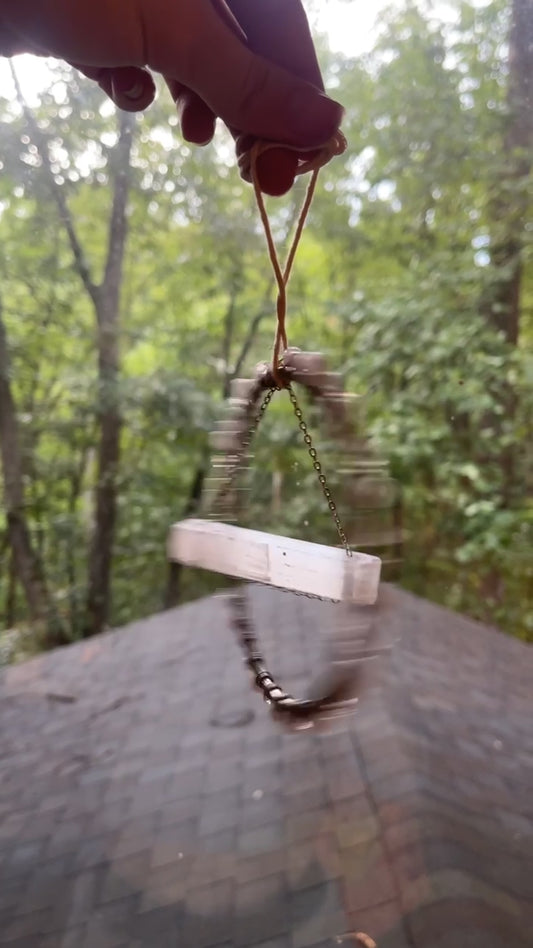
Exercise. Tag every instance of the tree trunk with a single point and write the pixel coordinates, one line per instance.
(75, 487)
(11, 594)
(501, 304)
(107, 307)
(509, 208)
(106, 302)
(27, 562)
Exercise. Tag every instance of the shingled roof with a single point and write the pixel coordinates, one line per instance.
(146, 799)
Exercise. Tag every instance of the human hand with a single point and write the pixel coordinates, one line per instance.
(251, 63)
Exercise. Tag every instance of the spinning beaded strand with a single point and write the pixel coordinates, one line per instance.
(295, 565)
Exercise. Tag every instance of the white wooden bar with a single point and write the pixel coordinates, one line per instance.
(275, 560)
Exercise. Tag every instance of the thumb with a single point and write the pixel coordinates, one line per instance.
(245, 90)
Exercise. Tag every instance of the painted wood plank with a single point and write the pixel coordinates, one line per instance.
(279, 561)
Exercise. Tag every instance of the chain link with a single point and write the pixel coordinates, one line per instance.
(261, 411)
(313, 454)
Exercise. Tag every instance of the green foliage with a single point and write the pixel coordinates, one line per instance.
(389, 282)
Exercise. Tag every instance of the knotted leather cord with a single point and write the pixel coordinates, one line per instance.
(335, 147)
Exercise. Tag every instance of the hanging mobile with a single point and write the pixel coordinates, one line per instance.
(341, 575)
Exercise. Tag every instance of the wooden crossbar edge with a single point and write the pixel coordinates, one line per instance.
(295, 565)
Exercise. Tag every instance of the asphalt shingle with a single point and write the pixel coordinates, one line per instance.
(130, 815)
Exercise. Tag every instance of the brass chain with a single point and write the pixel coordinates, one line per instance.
(313, 454)
(338, 692)
(261, 411)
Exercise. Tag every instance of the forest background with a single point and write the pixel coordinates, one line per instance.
(134, 286)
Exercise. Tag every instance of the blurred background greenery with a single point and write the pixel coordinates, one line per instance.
(135, 285)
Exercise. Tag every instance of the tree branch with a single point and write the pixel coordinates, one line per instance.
(57, 193)
(118, 221)
(229, 320)
(249, 339)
